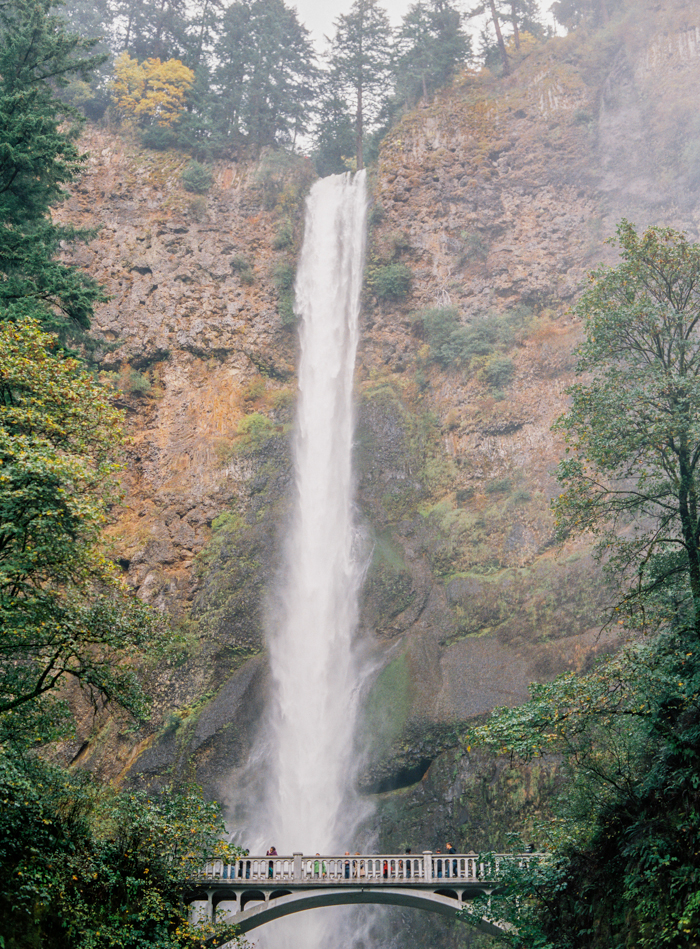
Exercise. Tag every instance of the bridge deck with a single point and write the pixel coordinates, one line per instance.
(299, 870)
(255, 889)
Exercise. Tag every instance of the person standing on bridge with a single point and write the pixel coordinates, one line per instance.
(272, 852)
(450, 849)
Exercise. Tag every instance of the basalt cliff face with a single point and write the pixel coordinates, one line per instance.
(495, 200)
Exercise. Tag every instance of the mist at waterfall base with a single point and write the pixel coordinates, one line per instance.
(306, 754)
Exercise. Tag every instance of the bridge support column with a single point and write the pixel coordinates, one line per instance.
(428, 865)
(297, 867)
(210, 906)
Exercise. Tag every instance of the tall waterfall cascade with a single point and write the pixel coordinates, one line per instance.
(309, 803)
(311, 650)
(304, 766)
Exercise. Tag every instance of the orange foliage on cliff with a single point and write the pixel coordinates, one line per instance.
(151, 91)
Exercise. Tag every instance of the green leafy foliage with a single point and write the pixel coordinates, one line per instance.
(572, 13)
(430, 47)
(453, 343)
(63, 610)
(335, 131)
(633, 430)
(265, 75)
(284, 236)
(624, 865)
(360, 65)
(390, 281)
(84, 867)
(497, 371)
(254, 431)
(242, 266)
(283, 277)
(196, 178)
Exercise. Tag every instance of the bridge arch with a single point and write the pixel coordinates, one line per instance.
(251, 896)
(297, 902)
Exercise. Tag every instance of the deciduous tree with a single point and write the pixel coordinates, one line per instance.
(85, 867)
(633, 431)
(151, 92)
(624, 861)
(64, 612)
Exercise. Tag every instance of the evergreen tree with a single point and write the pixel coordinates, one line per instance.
(335, 134)
(523, 15)
(152, 28)
(266, 75)
(491, 4)
(361, 63)
(38, 155)
(571, 13)
(431, 46)
(203, 31)
(91, 19)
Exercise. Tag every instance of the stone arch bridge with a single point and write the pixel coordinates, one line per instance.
(256, 890)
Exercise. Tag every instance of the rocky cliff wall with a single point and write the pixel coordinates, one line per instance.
(494, 200)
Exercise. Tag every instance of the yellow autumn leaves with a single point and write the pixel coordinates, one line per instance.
(151, 92)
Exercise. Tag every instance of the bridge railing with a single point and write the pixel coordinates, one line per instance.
(363, 869)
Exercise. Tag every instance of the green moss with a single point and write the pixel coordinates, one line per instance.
(389, 703)
(502, 799)
(388, 589)
(242, 266)
(545, 602)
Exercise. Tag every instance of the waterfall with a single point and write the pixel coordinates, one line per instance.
(311, 654)
(309, 800)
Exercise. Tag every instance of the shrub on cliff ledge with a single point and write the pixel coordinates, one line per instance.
(390, 281)
(497, 371)
(196, 178)
(453, 343)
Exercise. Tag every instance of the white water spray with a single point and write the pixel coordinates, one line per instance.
(306, 757)
(311, 653)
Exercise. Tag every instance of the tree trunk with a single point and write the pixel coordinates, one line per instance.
(514, 19)
(688, 510)
(499, 37)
